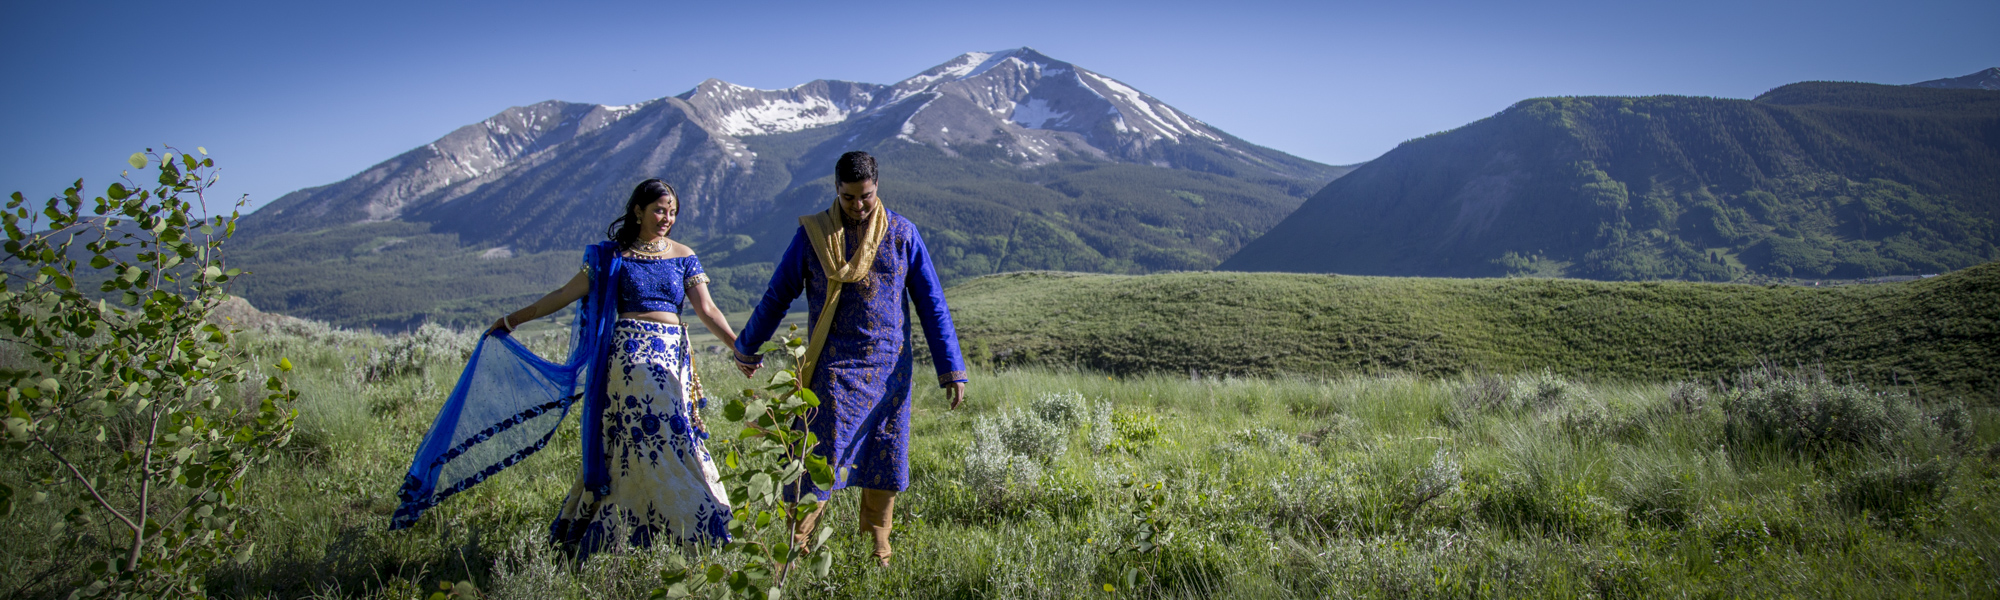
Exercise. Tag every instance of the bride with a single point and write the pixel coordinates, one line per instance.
(647, 474)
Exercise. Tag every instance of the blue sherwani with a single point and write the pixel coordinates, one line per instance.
(863, 377)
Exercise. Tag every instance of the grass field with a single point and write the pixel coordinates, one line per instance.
(1938, 335)
(1426, 478)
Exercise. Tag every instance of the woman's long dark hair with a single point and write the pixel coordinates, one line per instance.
(625, 229)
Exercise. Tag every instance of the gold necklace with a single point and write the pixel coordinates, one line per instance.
(656, 248)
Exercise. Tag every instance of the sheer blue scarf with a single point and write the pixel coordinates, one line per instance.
(508, 403)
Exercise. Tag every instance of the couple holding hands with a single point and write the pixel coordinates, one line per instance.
(647, 475)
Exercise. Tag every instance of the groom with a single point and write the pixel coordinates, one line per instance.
(857, 263)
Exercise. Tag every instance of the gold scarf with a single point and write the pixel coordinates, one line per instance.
(829, 239)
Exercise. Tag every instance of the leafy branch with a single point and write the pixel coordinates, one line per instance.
(767, 465)
(121, 392)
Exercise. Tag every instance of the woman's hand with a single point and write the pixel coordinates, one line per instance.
(577, 287)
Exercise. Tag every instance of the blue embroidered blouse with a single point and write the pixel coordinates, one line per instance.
(655, 284)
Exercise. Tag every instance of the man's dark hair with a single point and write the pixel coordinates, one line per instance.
(854, 167)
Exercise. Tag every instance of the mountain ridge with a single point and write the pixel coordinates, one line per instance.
(980, 150)
(1813, 179)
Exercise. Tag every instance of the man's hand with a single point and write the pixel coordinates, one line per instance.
(747, 367)
(956, 391)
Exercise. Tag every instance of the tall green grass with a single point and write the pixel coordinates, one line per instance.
(1165, 486)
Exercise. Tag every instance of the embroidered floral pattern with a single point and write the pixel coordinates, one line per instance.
(664, 484)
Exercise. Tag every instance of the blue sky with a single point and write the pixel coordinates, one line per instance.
(290, 94)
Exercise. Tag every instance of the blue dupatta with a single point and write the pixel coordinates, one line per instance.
(509, 402)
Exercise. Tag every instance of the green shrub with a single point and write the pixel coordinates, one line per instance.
(1686, 397)
(1267, 439)
(1436, 480)
(126, 403)
(414, 353)
(1065, 409)
(1541, 390)
(999, 466)
(1808, 412)
(1538, 392)
(1136, 431)
(1102, 433)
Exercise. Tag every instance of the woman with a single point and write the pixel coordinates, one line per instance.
(652, 477)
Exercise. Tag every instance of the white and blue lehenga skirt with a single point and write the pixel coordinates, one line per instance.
(664, 486)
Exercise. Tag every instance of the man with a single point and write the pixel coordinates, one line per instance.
(857, 263)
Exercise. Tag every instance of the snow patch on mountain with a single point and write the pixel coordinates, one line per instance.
(1171, 126)
(781, 116)
(1036, 114)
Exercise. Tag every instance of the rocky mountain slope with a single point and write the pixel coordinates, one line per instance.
(1008, 159)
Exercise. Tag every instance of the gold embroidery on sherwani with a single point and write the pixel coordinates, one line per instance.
(828, 234)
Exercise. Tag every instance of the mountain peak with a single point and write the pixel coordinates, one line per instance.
(741, 110)
(973, 64)
(1988, 79)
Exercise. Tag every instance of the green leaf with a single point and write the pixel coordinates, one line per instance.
(117, 191)
(99, 262)
(822, 473)
(203, 151)
(822, 563)
(760, 484)
(811, 399)
(137, 160)
(284, 364)
(716, 573)
(819, 539)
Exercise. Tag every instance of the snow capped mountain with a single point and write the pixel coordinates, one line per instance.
(496, 180)
(736, 110)
(1035, 108)
(467, 154)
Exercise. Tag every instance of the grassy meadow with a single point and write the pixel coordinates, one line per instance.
(1372, 481)
(1936, 335)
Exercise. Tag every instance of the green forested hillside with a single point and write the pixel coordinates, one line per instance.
(391, 276)
(1941, 333)
(1811, 180)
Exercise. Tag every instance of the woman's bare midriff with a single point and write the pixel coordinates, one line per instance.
(664, 318)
